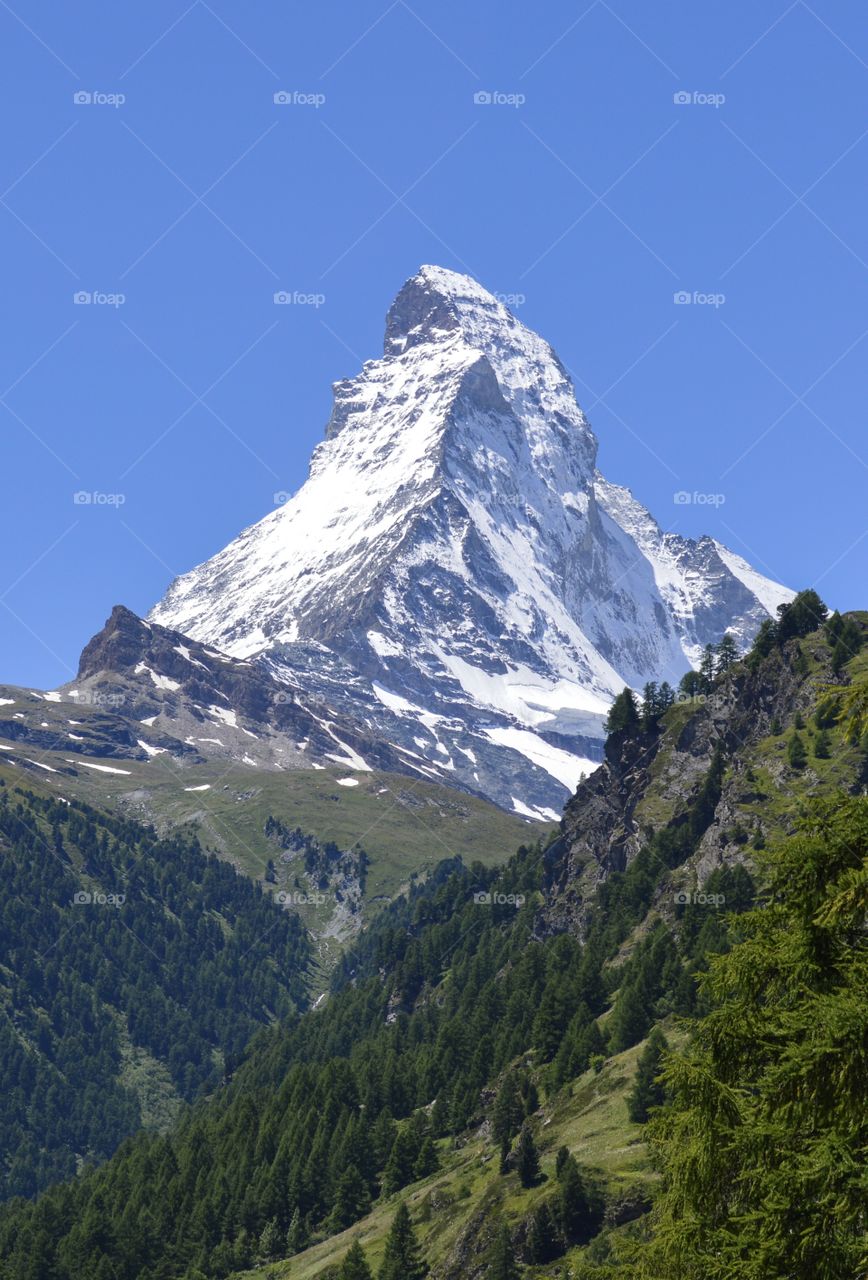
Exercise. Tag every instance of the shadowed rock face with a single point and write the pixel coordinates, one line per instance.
(456, 573)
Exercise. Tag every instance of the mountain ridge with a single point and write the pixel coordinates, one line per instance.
(460, 557)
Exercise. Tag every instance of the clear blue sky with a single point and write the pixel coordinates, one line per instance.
(596, 198)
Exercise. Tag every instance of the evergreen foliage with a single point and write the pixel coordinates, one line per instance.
(648, 1091)
(623, 714)
(763, 1147)
(172, 953)
(402, 1259)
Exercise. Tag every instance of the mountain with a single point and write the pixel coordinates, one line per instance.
(481, 1049)
(457, 573)
(172, 732)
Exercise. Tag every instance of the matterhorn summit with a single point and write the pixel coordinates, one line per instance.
(456, 574)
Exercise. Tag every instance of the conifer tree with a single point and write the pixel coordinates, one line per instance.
(526, 1157)
(797, 756)
(822, 745)
(578, 1205)
(707, 668)
(507, 1112)
(270, 1241)
(726, 653)
(427, 1161)
(543, 1237)
(501, 1261)
(402, 1259)
(352, 1199)
(297, 1234)
(630, 1018)
(623, 714)
(355, 1264)
(762, 1148)
(647, 1090)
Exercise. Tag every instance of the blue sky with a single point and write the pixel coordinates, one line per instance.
(585, 188)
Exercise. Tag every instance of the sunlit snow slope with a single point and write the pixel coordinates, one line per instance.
(456, 571)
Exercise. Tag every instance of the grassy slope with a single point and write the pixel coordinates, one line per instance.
(405, 826)
(590, 1118)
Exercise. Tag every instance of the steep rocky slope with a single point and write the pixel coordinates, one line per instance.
(456, 570)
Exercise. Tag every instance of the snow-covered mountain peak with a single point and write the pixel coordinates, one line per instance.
(456, 568)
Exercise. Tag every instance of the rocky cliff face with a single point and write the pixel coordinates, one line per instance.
(648, 780)
(456, 571)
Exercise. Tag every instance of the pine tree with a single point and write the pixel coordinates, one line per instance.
(402, 1259)
(647, 1091)
(352, 1199)
(578, 1205)
(806, 613)
(726, 653)
(297, 1235)
(623, 714)
(665, 696)
(707, 668)
(797, 756)
(822, 745)
(544, 1241)
(762, 1148)
(650, 708)
(427, 1161)
(270, 1241)
(526, 1157)
(507, 1112)
(355, 1264)
(630, 1018)
(501, 1258)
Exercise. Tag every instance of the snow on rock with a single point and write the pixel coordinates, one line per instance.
(456, 564)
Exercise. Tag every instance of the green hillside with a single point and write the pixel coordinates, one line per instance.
(490, 1052)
